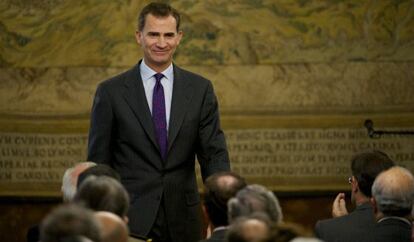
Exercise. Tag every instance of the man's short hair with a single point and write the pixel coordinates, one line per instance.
(219, 188)
(366, 166)
(103, 194)
(158, 10)
(98, 170)
(393, 191)
(255, 198)
(69, 222)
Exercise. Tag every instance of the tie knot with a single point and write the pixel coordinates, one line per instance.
(158, 76)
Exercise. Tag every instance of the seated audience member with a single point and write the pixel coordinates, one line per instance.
(104, 194)
(98, 170)
(288, 232)
(113, 228)
(392, 199)
(69, 222)
(256, 227)
(346, 227)
(68, 188)
(218, 189)
(255, 198)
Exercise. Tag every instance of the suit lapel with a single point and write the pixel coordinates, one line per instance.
(135, 97)
(182, 93)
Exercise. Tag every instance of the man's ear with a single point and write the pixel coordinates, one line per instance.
(138, 35)
(180, 36)
(126, 219)
(354, 185)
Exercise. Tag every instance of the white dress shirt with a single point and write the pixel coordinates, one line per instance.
(148, 80)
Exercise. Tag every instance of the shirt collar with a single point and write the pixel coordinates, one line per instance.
(220, 228)
(147, 72)
(396, 218)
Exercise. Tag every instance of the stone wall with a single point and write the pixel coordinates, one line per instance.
(295, 81)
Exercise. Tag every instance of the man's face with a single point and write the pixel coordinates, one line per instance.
(158, 39)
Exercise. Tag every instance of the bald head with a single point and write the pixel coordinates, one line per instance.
(393, 192)
(114, 229)
(254, 228)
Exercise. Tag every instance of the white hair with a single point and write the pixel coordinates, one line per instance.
(255, 198)
(70, 179)
(393, 191)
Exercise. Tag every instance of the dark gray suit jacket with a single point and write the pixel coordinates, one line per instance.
(122, 135)
(391, 230)
(348, 228)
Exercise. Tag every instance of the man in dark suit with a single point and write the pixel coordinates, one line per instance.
(149, 123)
(392, 199)
(350, 227)
(218, 189)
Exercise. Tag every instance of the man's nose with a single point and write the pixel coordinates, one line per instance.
(161, 42)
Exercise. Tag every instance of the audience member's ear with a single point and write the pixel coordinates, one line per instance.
(354, 185)
(374, 205)
(126, 219)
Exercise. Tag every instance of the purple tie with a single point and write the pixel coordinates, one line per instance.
(158, 115)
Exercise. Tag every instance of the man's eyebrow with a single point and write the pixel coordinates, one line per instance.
(153, 33)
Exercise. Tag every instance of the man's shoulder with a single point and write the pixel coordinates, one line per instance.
(356, 218)
(120, 78)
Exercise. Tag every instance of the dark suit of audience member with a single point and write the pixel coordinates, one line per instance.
(218, 189)
(392, 199)
(350, 227)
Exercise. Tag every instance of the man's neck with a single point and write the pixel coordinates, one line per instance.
(157, 68)
(361, 199)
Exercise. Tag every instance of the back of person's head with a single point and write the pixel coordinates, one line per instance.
(218, 189)
(366, 166)
(158, 9)
(70, 179)
(255, 198)
(69, 222)
(98, 170)
(255, 227)
(76, 239)
(103, 194)
(114, 229)
(393, 192)
(285, 232)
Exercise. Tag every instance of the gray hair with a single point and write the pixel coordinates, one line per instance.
(255, 198)
(393, 191)
(70, 179)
